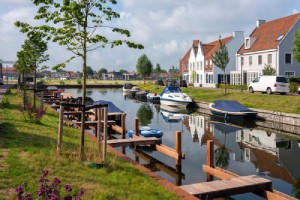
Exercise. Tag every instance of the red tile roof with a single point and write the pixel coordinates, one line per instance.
(196, 45)
(214, 46)
(267, 33)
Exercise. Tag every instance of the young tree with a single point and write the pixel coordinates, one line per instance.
(32, 55)
(102, 71)
(157, 70)
(89, 71)
(268, 70)
(296, 47)
(76, 26)
(144, 66)
(221, 59)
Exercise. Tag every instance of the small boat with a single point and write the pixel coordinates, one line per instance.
(88, 101)
(153, 97)
(231, 109)
(146, 131)
(141, 95)
(173, 96)
(134, 90)
(127, 87)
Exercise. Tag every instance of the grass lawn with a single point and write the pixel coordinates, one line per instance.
(26, 149)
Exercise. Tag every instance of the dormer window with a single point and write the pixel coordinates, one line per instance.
(279, 37)
(248, 42)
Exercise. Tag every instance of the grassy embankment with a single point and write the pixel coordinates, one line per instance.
(279, 103)
(27, 149)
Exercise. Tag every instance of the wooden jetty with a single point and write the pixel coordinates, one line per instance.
(133, 142)
(230, 183)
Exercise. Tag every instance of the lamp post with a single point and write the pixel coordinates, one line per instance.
(242, 72)
(6, 74)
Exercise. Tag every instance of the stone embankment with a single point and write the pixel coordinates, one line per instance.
(279, 121)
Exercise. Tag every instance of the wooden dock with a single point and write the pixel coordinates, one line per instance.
(228, 187)
(133, 142)
(230, 183)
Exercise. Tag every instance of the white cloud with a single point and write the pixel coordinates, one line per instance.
(166, 28)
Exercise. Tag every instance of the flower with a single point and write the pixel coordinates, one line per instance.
(68, 188)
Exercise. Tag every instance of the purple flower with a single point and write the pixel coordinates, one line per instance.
(68, 197)
(68, 188)
(20, 189)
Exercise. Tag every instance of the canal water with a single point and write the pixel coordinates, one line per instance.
(242, 148)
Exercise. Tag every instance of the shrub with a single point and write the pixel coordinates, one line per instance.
(30, 114)
(61, 82)
(293, 87)
(48, 191)
(78, 81)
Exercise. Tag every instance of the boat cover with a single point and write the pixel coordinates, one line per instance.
(171, 89)
(230, 106)
(111, 107)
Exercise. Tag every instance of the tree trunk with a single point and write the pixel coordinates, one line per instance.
(224, 79)
(34, 87)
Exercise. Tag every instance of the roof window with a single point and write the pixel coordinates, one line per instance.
(279, 37)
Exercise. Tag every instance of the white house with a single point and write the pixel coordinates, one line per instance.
(269, 44)
(202, 72)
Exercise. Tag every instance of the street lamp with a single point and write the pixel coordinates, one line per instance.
(242, 72)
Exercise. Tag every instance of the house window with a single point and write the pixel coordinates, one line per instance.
(269, 59)
(198, 65)
(288, 58)
(242, 61)
(289, 74)
(250, 61)
(259, 59)
(201, 64)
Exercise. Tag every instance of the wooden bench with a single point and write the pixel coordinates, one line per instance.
(228, 187)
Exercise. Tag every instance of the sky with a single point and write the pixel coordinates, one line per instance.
(166, 28)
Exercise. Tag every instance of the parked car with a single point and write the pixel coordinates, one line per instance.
(159, 82)
(270, 84)
(171, 82)
(182, 83)
(1, 81)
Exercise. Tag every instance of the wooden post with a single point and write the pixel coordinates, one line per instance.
(123, 124)
(178, 147)
(136, 126)
(105, 134)
(60, 129)
(98, 132)
(42, 99)
(210, 158)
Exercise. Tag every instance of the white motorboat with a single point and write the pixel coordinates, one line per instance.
(127, 87)
(173, 96)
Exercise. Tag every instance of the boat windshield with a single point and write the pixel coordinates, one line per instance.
(172, 89)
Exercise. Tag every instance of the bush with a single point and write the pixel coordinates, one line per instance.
(32, 115)
(61, 82)
(78, 81)
(293, 87)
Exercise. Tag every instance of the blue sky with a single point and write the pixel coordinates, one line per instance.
(165, 27)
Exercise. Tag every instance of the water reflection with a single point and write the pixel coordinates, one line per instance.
(241, 146)
(145, 114)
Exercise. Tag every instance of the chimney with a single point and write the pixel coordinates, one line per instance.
(260, 22)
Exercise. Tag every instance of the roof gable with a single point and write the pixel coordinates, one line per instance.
(267, 34)
(211, 48)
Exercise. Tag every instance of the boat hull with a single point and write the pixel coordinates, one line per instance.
(170, 102)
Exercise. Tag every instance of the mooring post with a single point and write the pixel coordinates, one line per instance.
(136, 126)
(42, 99)
(123, 125)
(178, 147)
(105, 134)
(98, 132)
(60, 129)
(209, 158)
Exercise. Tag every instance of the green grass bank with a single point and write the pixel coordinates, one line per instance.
(26, 149)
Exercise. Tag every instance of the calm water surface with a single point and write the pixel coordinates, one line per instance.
(243, 149)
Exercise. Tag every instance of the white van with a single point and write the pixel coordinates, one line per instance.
(270, 84)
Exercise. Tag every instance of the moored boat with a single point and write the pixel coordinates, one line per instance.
(231, 109)
(127, 87)
(153, 97)
(146, 131)
(173, 96)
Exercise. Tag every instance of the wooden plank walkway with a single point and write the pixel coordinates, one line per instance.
(133, 142)
(228, 187)
(94, 123)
